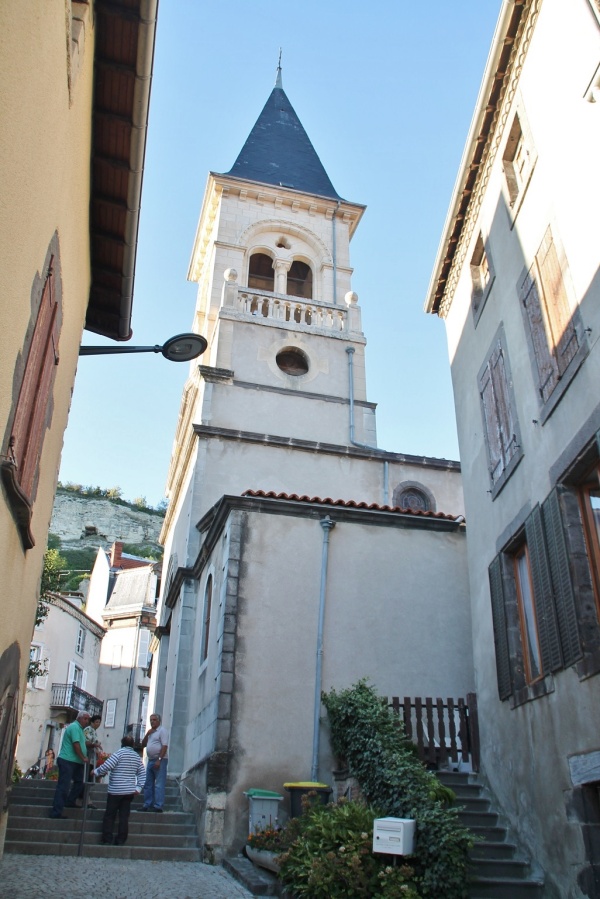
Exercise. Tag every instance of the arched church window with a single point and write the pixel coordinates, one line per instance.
(206, 621)
(411, 496)
(292, 361)
(260, 272)
(299, 280)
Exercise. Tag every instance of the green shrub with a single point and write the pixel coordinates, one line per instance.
(331, 856)
(366, 733)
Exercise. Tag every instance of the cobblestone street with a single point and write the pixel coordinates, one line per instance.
(34, 877)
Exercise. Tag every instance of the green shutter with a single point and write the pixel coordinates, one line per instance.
(547, 626)
(500, 635)
(558, 555)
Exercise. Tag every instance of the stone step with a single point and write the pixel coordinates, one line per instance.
(170, 836)
(495, 888)
(53, 835)
(33, 825)
(498, 870)
(493, 849)
(146, 853)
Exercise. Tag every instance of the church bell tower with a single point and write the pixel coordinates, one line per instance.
(285, 358)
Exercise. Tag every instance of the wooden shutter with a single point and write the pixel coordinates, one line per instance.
(83, 679)
(547, 626)
(30, 415)
(564, 337)
(41, 682)
(566, 611)
(546, 363)
(111, 710)
(142, 659)
(71, 673)
(503, 666)
(498, 413)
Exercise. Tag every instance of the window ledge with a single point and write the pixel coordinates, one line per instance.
(20, 505)
(506, 474)
(532, 691)
(562, 386)
(589, 665)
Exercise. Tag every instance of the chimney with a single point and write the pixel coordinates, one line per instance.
(116, 552)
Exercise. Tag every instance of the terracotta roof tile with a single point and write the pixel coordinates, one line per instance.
(348, 504)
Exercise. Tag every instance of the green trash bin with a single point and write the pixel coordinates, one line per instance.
(264, 809)
(302, 788)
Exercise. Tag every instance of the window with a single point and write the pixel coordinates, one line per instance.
(500, 422)
(110, 713)
(34, 380)
(518, 161)
(482, 276)
(589, 495)
(529, 633)
(80, 640)
(206, 623)
(299, 280)
(412, 498)
(37, 656)
(539, 587)
(260, 272)
(76, 675)
(292, 361)
(551, 323)
(142, 659)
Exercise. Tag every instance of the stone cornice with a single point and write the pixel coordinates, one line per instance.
(207, 432)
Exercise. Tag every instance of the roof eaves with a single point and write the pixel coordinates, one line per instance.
(120, 112)
(491, 93)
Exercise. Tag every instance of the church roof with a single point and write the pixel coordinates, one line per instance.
(349, 504)
(278, 151)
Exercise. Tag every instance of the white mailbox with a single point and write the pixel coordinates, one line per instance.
(394, 836)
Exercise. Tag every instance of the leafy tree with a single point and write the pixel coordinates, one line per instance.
(50, 583)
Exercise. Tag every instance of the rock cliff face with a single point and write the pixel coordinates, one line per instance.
(83, 522)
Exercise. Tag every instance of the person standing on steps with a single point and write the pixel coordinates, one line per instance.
(156, 744)
(71, 762)
(126, 778)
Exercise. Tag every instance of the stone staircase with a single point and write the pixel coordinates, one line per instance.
(500, 871)
(171, 836)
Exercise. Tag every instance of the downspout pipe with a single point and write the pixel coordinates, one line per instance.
(327, 524)
(386, 490)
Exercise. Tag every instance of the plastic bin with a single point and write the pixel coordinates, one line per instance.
(300, 789)
(263, 809)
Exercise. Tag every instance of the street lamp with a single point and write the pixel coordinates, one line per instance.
(181, 348)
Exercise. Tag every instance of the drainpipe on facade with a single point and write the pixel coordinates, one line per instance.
(350, 350)
(327, 524)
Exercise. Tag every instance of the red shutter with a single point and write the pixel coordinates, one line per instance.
(30, 416)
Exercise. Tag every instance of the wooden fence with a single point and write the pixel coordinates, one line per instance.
(445, 732)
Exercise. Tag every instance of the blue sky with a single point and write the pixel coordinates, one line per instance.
(386, 92)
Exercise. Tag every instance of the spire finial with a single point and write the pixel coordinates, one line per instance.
(278, 82)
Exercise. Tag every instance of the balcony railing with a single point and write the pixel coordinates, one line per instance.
(73, 698)
(137, 732)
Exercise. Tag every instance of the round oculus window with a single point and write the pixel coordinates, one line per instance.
(292, 361)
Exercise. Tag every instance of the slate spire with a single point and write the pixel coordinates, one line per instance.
(278, 150)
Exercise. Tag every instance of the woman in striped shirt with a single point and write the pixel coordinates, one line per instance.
(126, 778)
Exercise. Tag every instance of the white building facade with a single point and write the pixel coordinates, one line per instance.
(516, 280)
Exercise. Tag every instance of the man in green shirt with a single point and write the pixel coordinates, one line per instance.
(71, 761)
